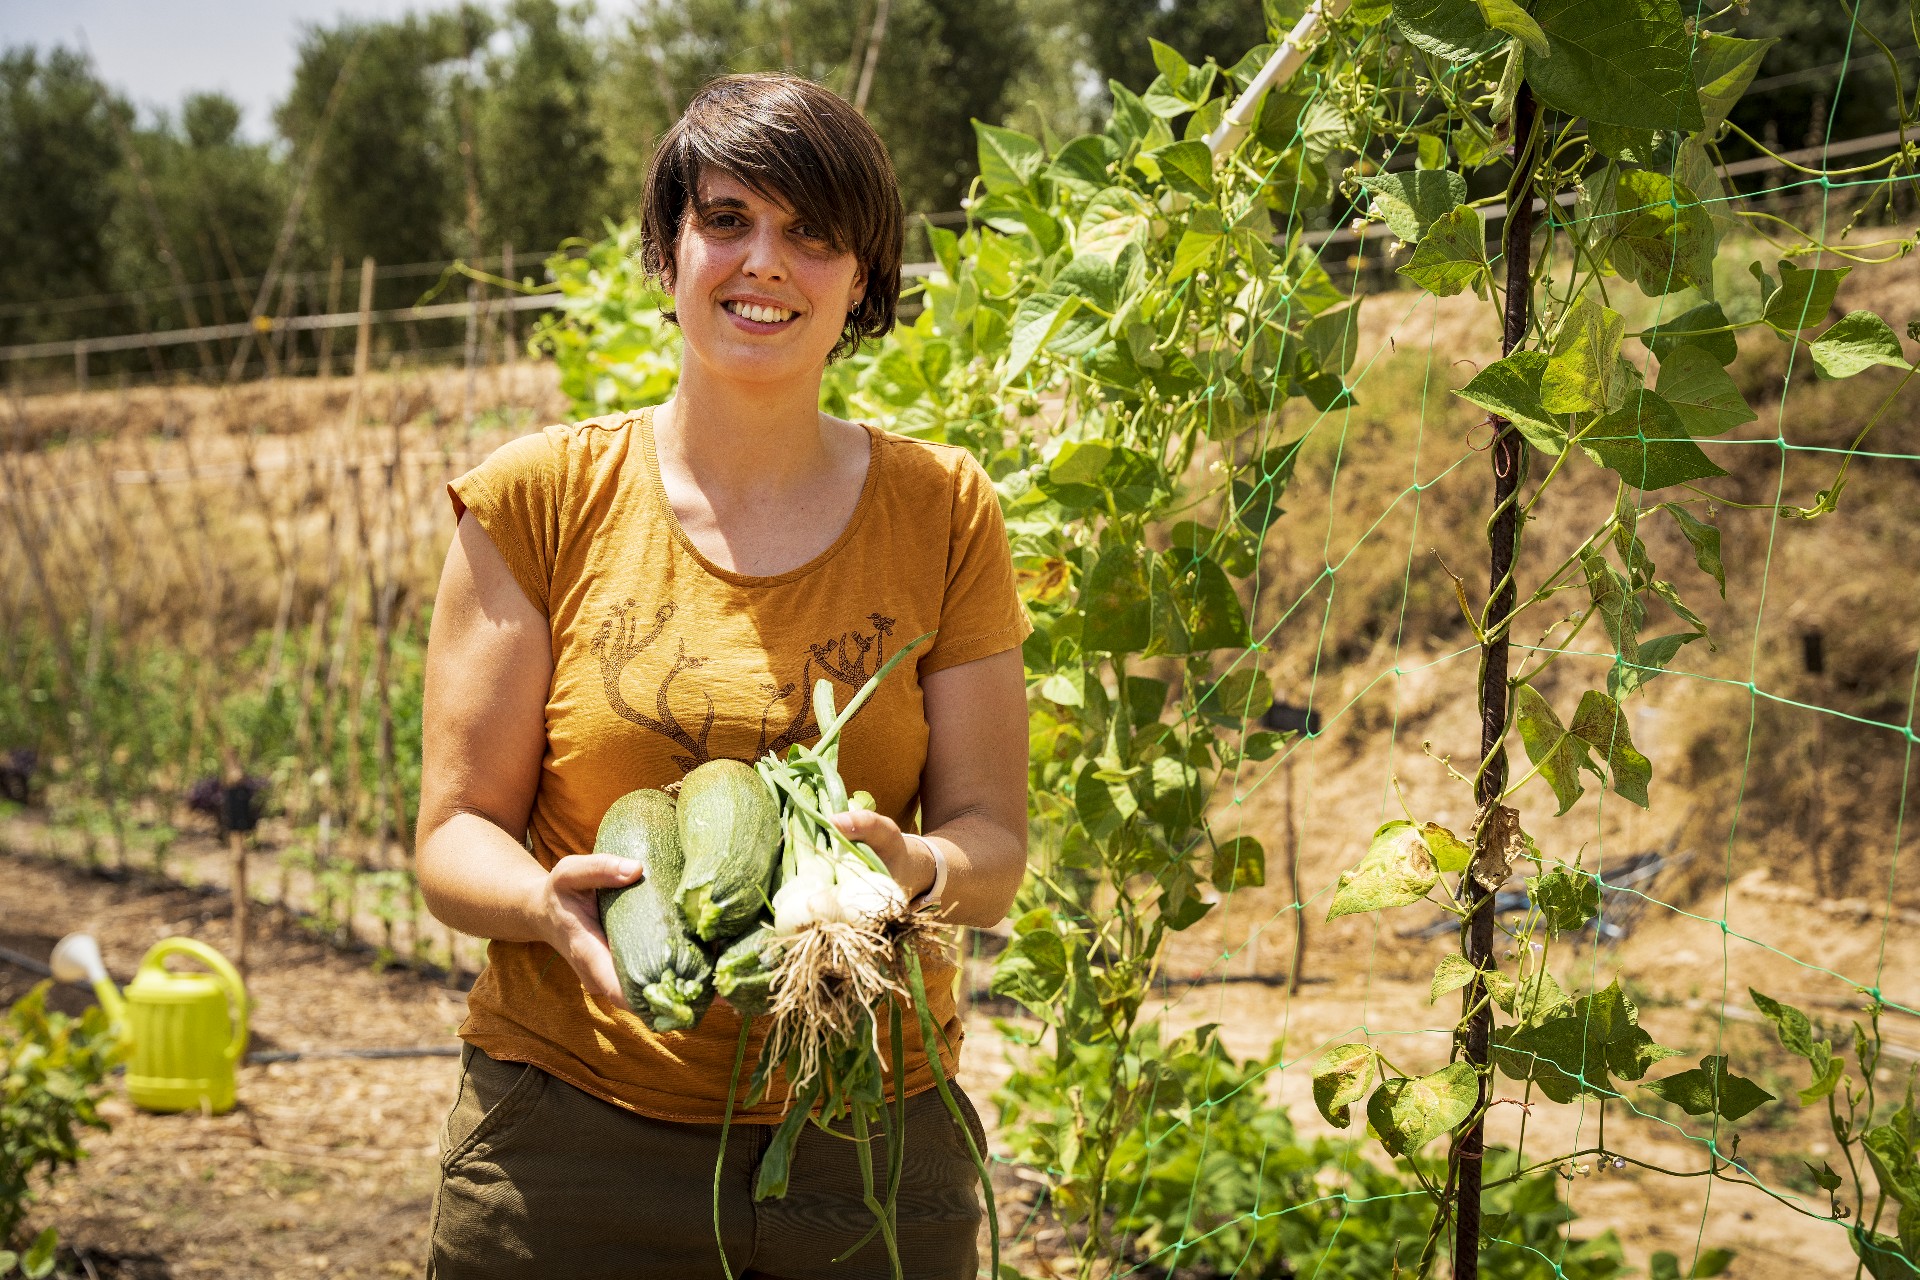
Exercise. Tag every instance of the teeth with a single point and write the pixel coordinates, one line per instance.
(754, 311)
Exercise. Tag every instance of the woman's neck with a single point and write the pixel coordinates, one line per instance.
(737, 436)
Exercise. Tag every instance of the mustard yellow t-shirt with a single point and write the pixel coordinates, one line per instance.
(663, 660)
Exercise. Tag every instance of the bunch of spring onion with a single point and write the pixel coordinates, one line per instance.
(841, 956)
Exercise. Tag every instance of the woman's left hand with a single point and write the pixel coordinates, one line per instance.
(906, 860)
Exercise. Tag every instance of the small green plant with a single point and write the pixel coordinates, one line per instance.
(1215, 1180)
(53, 1069)
(391, 897)
(613, 347)
(1886, 1146)
(336, 891)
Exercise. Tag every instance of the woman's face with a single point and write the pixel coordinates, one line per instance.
(761, 295)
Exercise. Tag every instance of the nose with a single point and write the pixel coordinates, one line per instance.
(766, 253)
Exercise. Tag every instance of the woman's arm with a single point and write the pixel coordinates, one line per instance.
(973, 792)
(489, 663)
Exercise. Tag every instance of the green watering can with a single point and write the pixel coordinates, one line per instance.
(188, 1029)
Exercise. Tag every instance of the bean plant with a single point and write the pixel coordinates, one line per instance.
(1136, 338)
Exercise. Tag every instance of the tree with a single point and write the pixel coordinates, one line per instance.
(1117, 32)
(941, 64)
(543, 169)
(388, 178)
(944, 64)
(58, 153)
(220, 200)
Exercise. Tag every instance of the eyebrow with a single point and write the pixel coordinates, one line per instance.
(719, 202)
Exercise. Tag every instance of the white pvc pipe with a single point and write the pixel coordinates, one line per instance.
(1285, 60)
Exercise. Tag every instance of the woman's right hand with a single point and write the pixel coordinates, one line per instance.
(569, 912)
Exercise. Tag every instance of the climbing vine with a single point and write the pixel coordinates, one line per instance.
(1135, 335)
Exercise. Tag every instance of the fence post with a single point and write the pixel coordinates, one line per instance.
(470, 353)
(80, 364)
(362, 342)
(237, 859)
(1509, 453)
(289, 353)
(333, 308)
(512, 313)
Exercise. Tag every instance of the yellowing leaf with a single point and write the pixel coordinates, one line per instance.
(1396, 870)
(1663, 239)
(1558, 753)
(1580, 374)
(1341, 1077)
(1239, 863)
(1452, 973)
(1508, 16)
(1410, 1113)
(1450, 852)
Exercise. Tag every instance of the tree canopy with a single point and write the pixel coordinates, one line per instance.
(455, 131)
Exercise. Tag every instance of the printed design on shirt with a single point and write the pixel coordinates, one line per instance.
(618, 642)
(848, 659)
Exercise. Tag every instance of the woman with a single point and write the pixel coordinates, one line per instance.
(630, 596)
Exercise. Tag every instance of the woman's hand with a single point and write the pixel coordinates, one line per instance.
(906, 860)
(569, 914)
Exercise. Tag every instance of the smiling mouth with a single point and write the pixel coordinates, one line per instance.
(758, 313)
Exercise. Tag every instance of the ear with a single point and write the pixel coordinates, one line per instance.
(859, 288)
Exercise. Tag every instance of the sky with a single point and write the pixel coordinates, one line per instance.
(155, 52)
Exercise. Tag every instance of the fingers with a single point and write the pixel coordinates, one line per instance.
(574, 918)
(871, 829)
(876, 831)
(908, 864)
(585, 947)
(598, 977)
(594, 871)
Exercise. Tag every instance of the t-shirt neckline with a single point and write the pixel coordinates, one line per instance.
(651, 458)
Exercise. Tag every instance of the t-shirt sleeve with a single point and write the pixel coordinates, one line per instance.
(515, 496)
(981, 613)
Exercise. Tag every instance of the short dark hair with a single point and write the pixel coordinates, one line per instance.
(793, 141)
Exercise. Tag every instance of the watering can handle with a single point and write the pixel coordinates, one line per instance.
(223, 971)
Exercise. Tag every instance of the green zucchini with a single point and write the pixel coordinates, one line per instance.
(744, 973)
(666, 978)
(730, 833)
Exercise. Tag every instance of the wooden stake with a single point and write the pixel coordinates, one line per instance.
(1509, 455)
(363, 343)
(512, 317)
(333, 308)
(237, 860)
(1293, 884)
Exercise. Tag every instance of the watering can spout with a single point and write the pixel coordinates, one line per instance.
(76, 959)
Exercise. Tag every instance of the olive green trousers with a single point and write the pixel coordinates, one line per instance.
(538, 1179)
